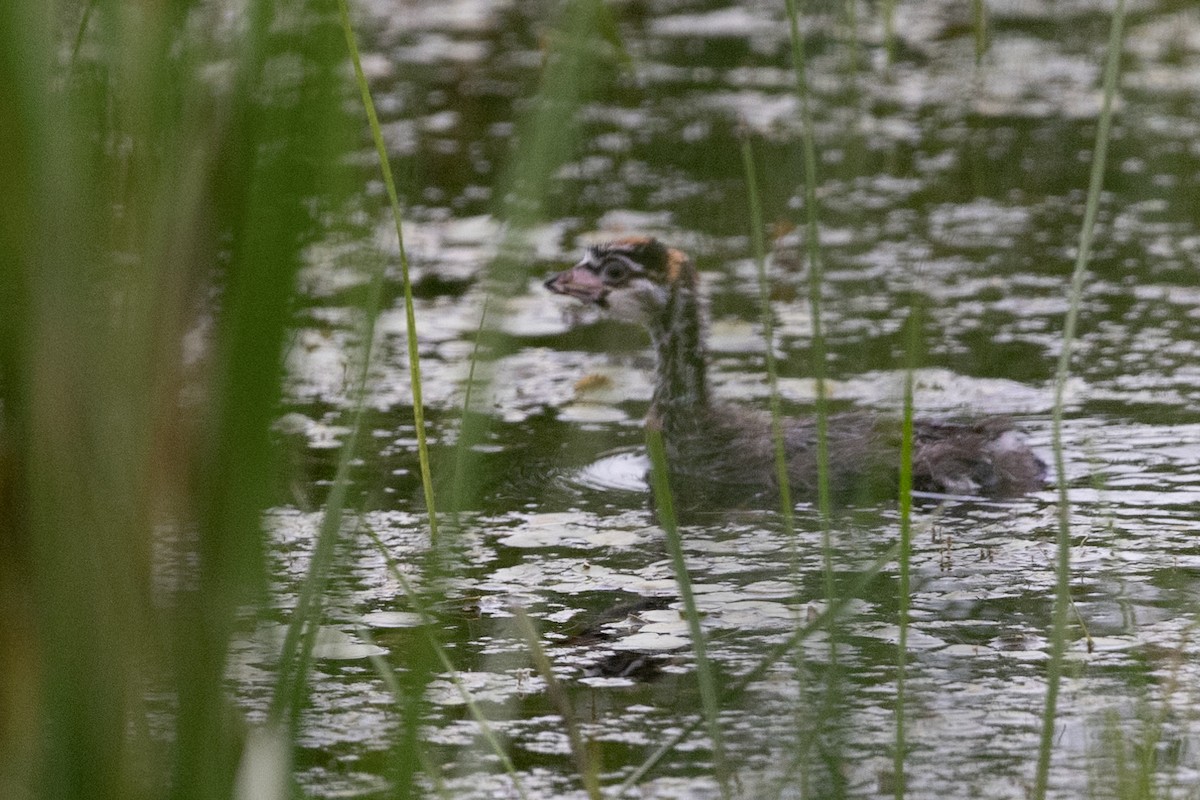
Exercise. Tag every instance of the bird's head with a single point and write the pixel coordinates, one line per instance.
(631, 278)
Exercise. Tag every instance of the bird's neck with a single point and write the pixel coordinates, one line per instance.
(681, 385)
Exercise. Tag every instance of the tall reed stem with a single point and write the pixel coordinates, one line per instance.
(979, 24)
(815, 268)
(428, 625)
(659, 479)
(905, 590)
(786, 510)
(815, 283)
(1062, 594)
(735, 691)
(585, 761)
(414, 360)
(302, 631)
(889, 30)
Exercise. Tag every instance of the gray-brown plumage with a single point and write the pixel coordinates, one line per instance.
(718, 451)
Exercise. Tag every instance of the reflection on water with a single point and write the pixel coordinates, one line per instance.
(961, 186)
(619, 472)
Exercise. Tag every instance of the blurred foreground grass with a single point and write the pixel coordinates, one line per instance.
(159, 190)
(165, 166)
(162, 180)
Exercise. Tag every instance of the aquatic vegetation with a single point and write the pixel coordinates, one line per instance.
(298, 457)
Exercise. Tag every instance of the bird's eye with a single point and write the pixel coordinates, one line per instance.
(615, 271)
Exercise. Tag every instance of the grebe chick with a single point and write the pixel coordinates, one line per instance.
(716, 450)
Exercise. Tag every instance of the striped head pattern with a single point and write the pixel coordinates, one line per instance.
(632, 278)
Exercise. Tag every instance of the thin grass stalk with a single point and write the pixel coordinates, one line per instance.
(66, 656)
(815, 281)
(467, 433)
(410, 699)
(786, 509)
(733, 693)
(889, 30)
(801, 753)
(111, 329)
(815, 284)
(127, 390)
(80, 32)
(1062, 594)
(585, 761)
(410, 319)
(1128, 758)
(905, 589)
(259, 202)
(855, 44)
(452, 673)
(709, 701)
(547, 137)
(1143, 775)
(1161, 719)
(815, 266)
(979, 23)
(392, 681)
(302, 630)
(296, 655)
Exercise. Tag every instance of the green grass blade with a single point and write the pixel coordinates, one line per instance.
(452, 674)
(395, 685)
(1062, 594)
(852, 24)
(660, 480)
(584, 42)
(734, 692)
(101, 309)
(979, 24)
(786, 509)
(889, 30)
(815, 285)
(815, 269)
(904, 599)
(471, 428)
(589, 769)
(81, 31)
(306, 616)
(414, 361)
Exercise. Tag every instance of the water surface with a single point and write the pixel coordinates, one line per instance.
(959, 185)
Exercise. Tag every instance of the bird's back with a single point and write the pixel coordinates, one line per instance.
(726, 455)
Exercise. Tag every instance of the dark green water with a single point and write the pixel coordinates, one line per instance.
(936, 179)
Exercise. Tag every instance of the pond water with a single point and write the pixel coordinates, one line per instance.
(937, 179)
